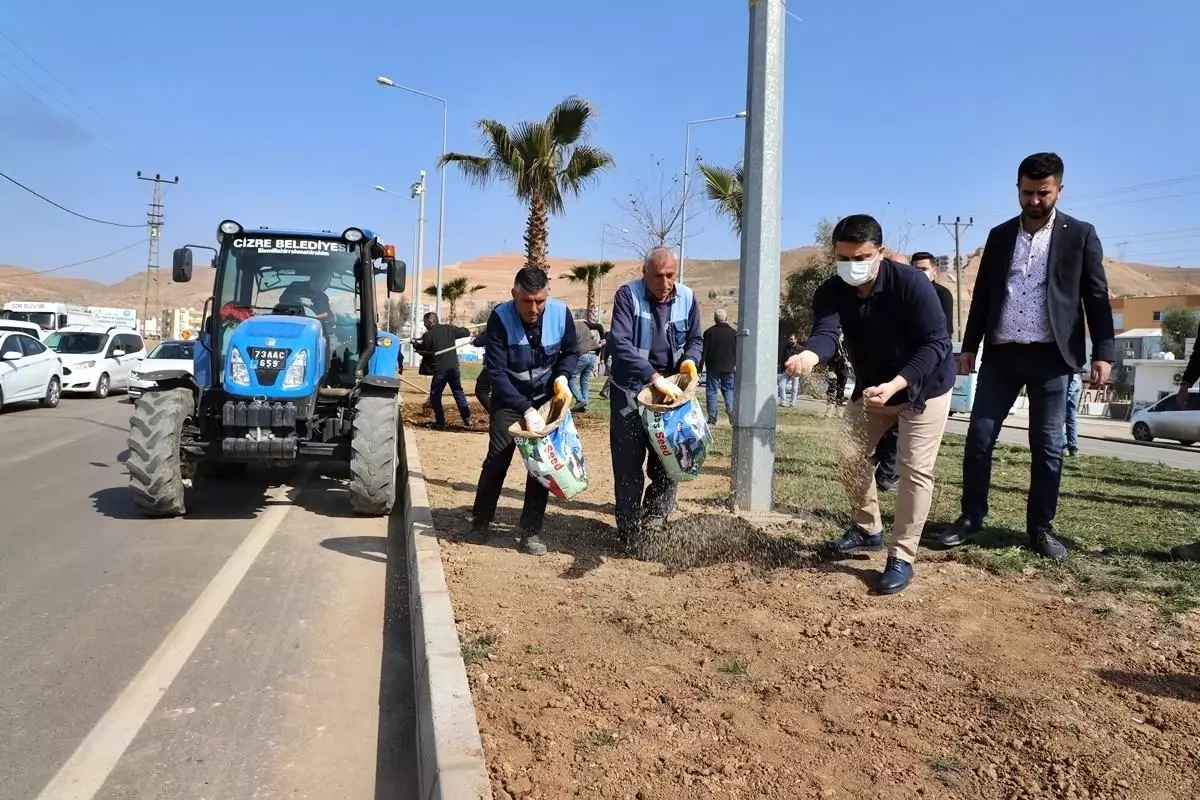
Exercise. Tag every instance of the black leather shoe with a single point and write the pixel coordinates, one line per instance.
(962, 531)
(896, 576)
(478, 535)
(1046, 544)
(856, 539)
(533, 545)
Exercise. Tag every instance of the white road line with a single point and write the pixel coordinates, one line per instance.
(85, 772)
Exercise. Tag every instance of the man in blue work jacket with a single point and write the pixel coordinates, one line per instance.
(655, 334)
(530, 351)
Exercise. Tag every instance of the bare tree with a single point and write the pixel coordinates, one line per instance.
(903, 236)
(654, 210)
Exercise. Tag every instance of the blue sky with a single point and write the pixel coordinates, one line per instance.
(269, 113)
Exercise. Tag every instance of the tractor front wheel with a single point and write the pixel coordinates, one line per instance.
(156, 471)
(374, 450)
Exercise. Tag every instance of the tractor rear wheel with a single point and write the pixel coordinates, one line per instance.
(156, 471)
(374, 449)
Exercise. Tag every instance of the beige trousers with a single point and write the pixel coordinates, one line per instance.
(920, 439)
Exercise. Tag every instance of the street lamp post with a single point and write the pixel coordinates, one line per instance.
(599, 299)
(388, 82)
(418, 194)
(687, 153)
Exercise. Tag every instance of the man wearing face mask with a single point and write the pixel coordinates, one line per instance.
(1041, 275)
(887, 479)
(896, 338)
(655, 334)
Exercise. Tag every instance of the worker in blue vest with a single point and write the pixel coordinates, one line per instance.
(530, 351)
(655, 334)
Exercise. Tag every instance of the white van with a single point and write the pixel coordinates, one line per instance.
(47, 316)
(1165, 420)
(97, 358)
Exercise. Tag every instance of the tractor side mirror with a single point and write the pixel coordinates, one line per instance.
(395, 275)
(181, 265)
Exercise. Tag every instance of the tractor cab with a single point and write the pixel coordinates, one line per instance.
(290, 365)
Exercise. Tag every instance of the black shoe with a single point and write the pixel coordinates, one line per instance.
(1072, 451)
(439, 426)
(533, 545)
(712, 422)
(856, 539)
(887, 484)
(479, 534)
(962, 531)
(467, 423)
(1046, 544)
(896, 576)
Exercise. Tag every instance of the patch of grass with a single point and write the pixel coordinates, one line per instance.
(1002, 703)
(532, 649)
(596, 739)
(949, 772)
(735, 664)
(476, 648)
(1120, 518)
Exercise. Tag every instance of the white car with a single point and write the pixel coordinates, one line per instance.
(1165, 420)
(97, 358)
(171, 354)
(28, 370)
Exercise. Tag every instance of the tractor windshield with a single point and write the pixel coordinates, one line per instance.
(311, 277)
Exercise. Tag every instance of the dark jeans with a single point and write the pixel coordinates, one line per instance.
(1004, 370)
(495, 468)
(724, 381)
(630, 447)
(885, 455)
(483, 390)
(454, 378)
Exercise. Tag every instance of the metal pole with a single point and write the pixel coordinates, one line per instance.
(441, 209)
(754, 407)
(959, 227)
(418, 190)
(687, 150)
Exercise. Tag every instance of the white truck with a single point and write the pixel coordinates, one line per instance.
(48, 316)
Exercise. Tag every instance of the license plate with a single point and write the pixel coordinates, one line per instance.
(268, 358)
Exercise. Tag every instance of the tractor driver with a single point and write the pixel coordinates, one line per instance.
(310, 294)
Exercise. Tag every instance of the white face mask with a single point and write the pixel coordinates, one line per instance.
(856, 273)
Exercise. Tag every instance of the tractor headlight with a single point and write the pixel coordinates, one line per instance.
(294, 378)
(353, 235)
(229, 228)
(239, 373)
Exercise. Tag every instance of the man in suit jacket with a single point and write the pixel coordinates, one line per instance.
(1041, 275)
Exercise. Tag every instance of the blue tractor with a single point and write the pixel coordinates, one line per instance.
(290, 365)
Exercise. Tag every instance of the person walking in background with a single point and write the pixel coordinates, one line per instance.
(437, 347)
(903, 363)
(1041, 275)
(886, 477)
(1071, 428)
(591, 341)
(720, 361)
(837, 378)
(530, 353)
(789, 386)
(655, 334)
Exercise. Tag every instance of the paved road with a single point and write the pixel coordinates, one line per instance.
(232, 654)
(1111, 441)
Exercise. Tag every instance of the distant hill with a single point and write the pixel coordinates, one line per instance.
(495, 272)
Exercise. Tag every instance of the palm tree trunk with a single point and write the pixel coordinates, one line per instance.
(453, 310)
(537, 235)
(591, 297)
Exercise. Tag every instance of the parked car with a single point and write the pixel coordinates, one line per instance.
(28, 370)
(97, 358)
(170, 354)
(1165, 420)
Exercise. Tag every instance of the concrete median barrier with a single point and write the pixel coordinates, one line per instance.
(450, 757)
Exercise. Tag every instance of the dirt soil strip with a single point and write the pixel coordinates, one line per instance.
(721, 674)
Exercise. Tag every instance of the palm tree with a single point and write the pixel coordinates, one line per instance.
(591, 274)
(453, 291)
(724, 187)
(542, 161)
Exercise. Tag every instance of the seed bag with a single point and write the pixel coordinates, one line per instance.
(678, 432)
(555, 456)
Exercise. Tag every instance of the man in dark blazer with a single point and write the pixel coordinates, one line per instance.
(1041, 276)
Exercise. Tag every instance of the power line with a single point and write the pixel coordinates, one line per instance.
(76, 263)
(17, 183)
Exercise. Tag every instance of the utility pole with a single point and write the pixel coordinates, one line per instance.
(1121, 250)
(758, 283)
(154, 223)
(418, 193)
(956, 228)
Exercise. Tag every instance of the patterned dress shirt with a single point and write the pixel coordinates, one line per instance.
(1026, 316)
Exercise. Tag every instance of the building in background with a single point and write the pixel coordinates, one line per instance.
(1130, 313)
(181, 320)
